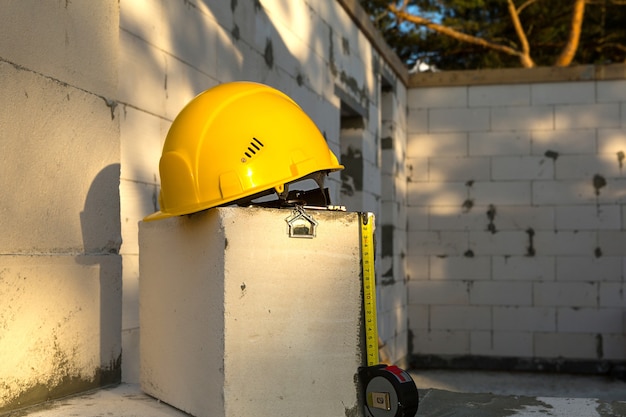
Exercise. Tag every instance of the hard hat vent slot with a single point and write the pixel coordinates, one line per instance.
(254, 148)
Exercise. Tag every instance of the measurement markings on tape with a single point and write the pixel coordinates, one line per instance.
(369, 287)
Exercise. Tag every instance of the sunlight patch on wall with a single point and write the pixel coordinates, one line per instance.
(284, 19)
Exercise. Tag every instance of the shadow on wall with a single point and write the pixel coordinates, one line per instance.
(101, 229)
(62, 325)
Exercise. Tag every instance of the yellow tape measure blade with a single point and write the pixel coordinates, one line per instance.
(369, 287)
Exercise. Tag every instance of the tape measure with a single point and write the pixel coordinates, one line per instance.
(388, 390)
(369, 287)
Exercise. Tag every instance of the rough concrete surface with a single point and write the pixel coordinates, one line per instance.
(522, 394)
(437, 403)
(528, 384)
(125, 400)
(466, 394)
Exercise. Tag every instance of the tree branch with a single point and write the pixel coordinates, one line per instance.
(569, 50)
(463, 37)
(613, 45)
(525, 58)
(603, 2)
(525, 5)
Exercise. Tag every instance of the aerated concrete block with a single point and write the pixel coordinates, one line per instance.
(240, 319)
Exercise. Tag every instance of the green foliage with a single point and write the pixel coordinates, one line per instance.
(545, 22)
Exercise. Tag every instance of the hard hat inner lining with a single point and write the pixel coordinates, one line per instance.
(318, 196)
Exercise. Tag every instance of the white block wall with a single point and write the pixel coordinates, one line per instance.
(516, 233)
(60, 271)
(392, 284)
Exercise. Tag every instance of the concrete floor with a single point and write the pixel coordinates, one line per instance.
(442, 394)
(523, 384)
(499, 394)
(125, 400)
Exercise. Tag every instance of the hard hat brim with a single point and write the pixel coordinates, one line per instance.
(159, 215)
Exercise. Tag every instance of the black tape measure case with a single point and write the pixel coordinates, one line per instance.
(389, 391)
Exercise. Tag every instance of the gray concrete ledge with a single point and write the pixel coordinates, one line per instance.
(518, 76)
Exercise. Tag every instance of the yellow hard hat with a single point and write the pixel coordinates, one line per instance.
(235, 141)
